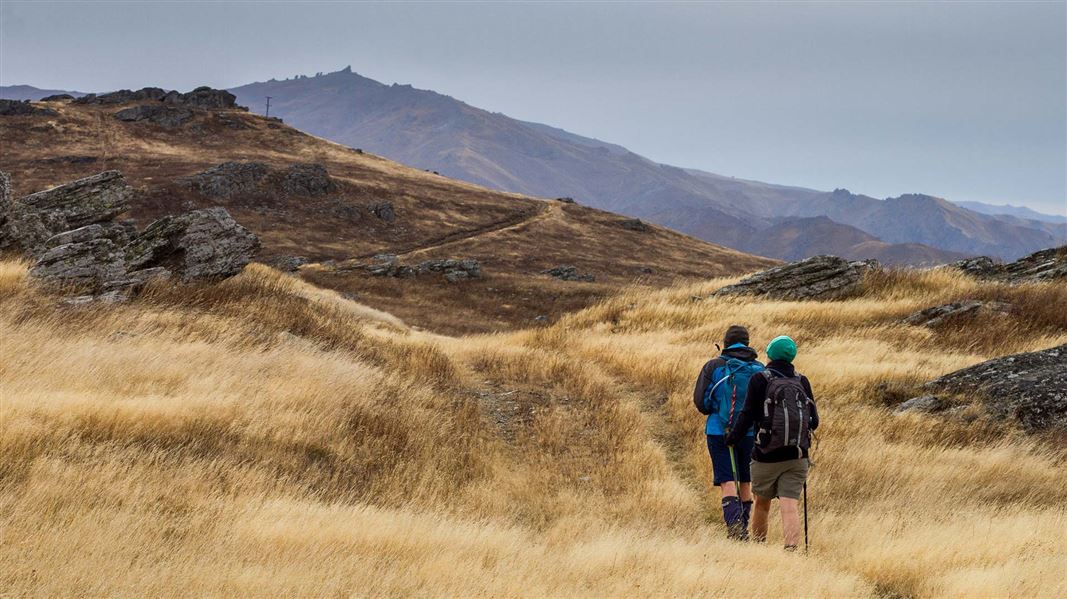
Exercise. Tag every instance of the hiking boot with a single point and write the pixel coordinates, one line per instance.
(733, 515)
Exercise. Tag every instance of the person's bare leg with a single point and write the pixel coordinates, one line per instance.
(728, 488)
(746, 492)
(790, 520)
(760, 513)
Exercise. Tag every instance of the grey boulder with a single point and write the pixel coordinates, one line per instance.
(820, 277)
(33, 219)
(1028, 388)
(203, 245)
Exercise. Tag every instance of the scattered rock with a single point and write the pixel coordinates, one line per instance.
(569, 273)
(23, 108)
(634, 224)
(1029, 388)
(938, 315)
(160, 114)
(33, 219)
(1045, 265)
(309, 179)
(541, 319)
(566, 200)
(289, 263)
(924, 403)
(383, 210)
(454, 270)
(57, 98)
(203, 245)
(820, 277)
(645, 270)
(229, 178)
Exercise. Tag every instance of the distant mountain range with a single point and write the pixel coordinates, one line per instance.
(1018, 211)
(29, 92)
(435, 132)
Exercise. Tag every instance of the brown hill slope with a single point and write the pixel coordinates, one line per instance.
(798, 238)
(514, 237)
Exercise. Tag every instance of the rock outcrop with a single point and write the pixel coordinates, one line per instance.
(160, 114)
(35, 218)
(201, 97)
(383, 210)
(938, 315)
(308, 179)
(1028, 388)
(230, 179)
(23, 108)
(820, 277)
(77, 246)
(569, 273)
(202, 245)
(634, 224)
(1045, 265)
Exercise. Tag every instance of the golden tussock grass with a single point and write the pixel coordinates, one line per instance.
(265, 437)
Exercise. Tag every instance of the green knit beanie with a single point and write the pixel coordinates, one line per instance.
(782, 348)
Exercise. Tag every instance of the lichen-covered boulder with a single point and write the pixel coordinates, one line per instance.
(33, 219)
(203, 245)
(1028, 388)
(85, 258)
(820, 277)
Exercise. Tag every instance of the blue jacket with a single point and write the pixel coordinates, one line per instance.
(717, 394)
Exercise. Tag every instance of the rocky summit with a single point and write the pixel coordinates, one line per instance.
(76, 245)
(821, 277)
(1028, 388)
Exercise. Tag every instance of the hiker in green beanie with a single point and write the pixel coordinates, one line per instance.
(781, 405)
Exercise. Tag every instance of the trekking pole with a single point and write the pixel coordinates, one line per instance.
(805, 517)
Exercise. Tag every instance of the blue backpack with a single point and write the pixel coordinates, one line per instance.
(725, 399)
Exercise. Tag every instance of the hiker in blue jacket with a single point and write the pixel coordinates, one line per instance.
(720, 393)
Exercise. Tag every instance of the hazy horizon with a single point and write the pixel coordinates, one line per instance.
(963, 101)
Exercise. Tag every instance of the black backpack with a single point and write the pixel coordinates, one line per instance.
(786, 414)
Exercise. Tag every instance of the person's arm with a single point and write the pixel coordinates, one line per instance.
(750, 414)
(814, 421)
(703, 380)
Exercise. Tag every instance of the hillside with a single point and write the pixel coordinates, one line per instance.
(793, 239)
(360, 206)
(436, 132)
(264, 437)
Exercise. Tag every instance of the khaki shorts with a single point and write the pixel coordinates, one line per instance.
(779, 479)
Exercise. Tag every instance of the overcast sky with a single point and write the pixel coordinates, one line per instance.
(963, 100)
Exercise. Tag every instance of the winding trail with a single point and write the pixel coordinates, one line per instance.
(545, 211)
